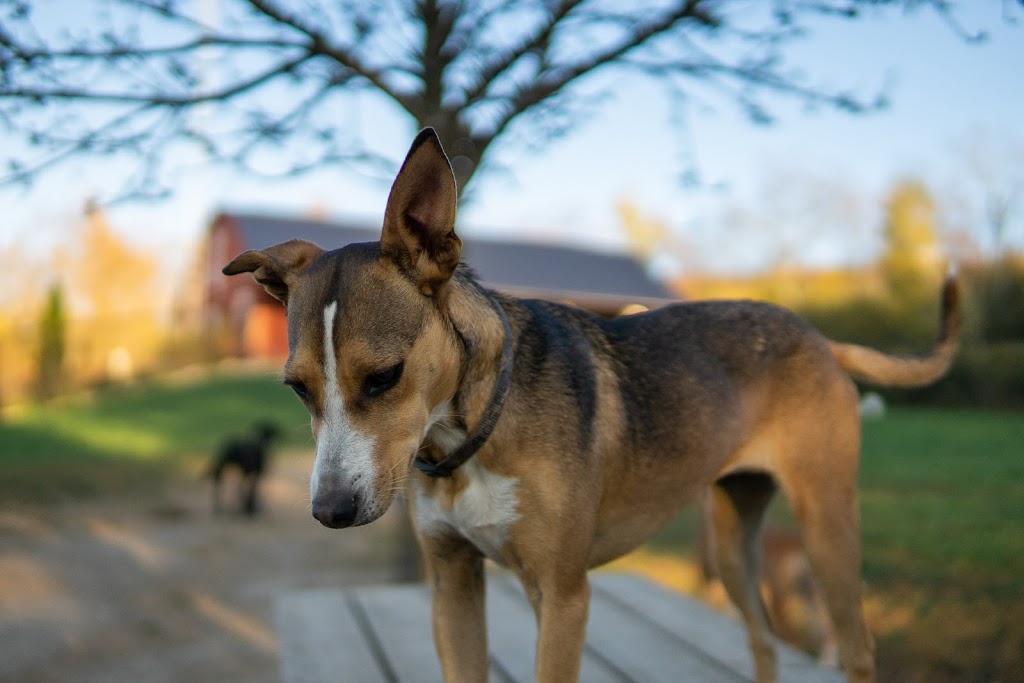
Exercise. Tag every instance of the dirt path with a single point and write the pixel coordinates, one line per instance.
(161, 590)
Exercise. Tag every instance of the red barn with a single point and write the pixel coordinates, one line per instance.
(255, 322)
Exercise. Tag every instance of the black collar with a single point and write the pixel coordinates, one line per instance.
(492, 412)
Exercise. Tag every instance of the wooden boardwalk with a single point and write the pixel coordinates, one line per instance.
(637, 631)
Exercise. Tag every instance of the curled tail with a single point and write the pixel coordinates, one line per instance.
(884, 369)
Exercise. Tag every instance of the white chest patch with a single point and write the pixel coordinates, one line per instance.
(482, 513)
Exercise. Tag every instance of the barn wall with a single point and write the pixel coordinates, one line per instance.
(266, 332)
(246, 320)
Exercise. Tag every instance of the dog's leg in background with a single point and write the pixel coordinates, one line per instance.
(738, 503)
(216, 474)
(250, 482)
(455, 574)
(821, 624)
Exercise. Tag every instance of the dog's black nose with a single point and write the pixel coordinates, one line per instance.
(336, 510)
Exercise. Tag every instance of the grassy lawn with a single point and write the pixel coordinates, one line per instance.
(942, 503)
(942, 515)
(124, 439)
(942, 495)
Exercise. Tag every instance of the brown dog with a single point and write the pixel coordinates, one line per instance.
(551, 440)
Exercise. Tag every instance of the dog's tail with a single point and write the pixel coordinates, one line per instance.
(883, 369)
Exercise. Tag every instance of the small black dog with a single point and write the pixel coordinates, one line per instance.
(249, 454)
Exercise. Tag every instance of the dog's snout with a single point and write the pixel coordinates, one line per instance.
(336, 510)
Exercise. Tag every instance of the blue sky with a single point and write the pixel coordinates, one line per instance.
(942, 91)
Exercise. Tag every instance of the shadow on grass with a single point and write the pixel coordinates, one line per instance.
(134, 438)
(41, 466)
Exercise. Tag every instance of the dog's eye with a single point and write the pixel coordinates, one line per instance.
(376, 383)
(300, 390)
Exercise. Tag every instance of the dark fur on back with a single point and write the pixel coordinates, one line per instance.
(558, 350)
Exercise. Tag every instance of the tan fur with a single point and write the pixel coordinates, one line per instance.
(876, 367)
(609, 428)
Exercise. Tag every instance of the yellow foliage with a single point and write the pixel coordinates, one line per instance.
(644, 233)
(792, 287)
(912, 259)
(113, 292)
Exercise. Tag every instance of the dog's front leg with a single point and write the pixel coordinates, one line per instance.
(456, 575)
(561, 606)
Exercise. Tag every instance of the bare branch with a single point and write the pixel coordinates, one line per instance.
(136, 52)
(154, 99)
(321, 44)
(468, 68)
(558, 78)
(537, 42)
(165, 9)
(23, 174)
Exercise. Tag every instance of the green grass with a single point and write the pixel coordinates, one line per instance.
(942, 520)
(137, 436)
(942, 506)
(942, 499)
(941, 492)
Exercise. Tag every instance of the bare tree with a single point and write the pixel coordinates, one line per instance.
(994, 171)
(130, 81)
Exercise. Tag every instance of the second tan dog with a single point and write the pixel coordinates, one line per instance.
(795, 604)
(551, 440)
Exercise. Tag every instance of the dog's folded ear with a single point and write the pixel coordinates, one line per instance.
(419, 222)
(275, 267)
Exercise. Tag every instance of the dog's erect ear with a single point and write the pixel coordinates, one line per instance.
(275, 267)
(419, 222)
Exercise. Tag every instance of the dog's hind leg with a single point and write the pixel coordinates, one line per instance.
(831, 531)
(737, 505)
(820, 481)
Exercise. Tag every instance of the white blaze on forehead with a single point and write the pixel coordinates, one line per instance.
(344, 455)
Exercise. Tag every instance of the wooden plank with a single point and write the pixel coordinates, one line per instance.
(399, 617)
(637, 631)
(321, 639)
(512, 635)
(722, 638)
(645, 651)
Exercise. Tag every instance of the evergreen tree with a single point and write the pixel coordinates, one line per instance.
(52, 342)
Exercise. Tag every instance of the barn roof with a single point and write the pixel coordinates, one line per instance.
(522, 268)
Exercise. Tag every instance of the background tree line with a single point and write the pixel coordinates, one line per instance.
(890, 300)
(90, 310)
(99, 309)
